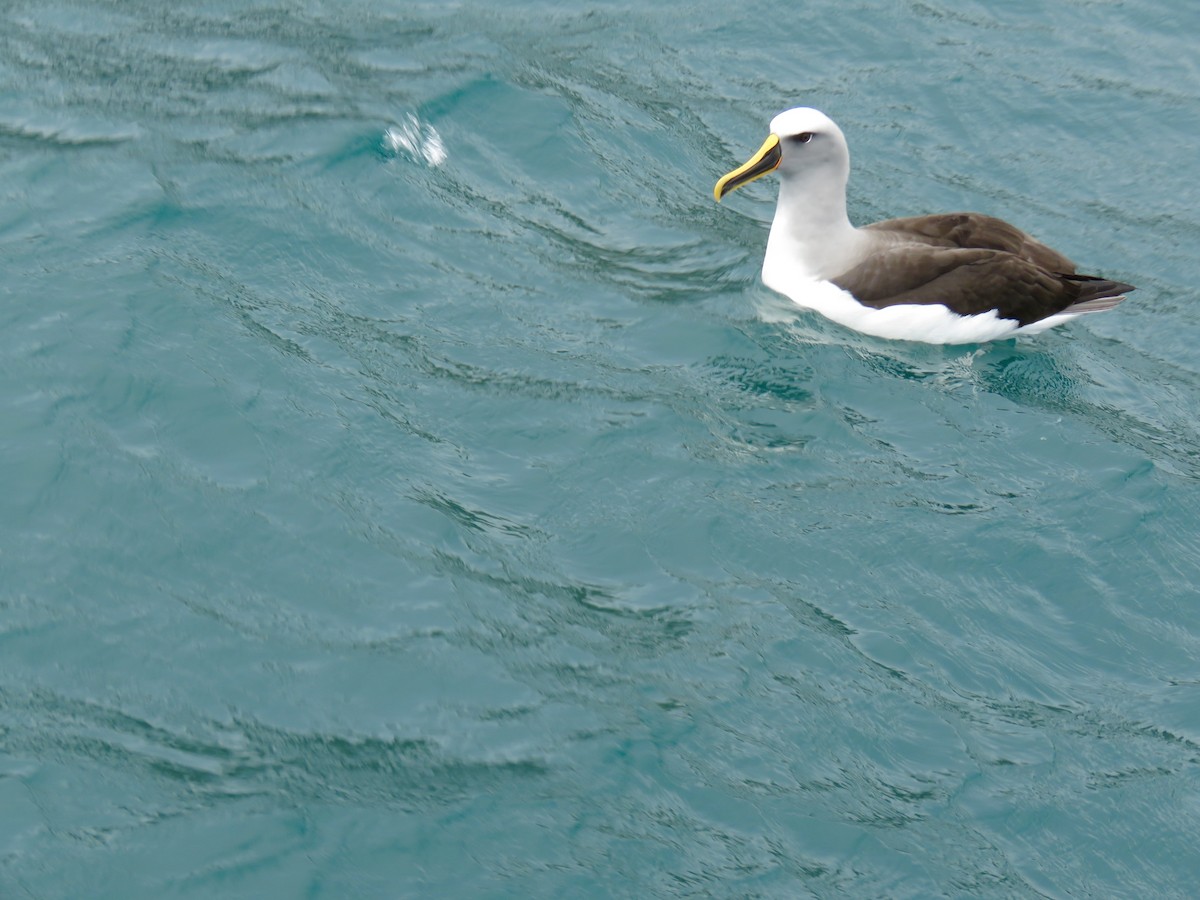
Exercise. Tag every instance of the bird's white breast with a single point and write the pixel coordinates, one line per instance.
(931, 323)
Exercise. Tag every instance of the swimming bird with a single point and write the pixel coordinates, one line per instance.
(944, 279)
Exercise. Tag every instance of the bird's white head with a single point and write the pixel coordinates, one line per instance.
(804, 145)
(811, 141)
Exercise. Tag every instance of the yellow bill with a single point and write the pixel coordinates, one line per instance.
(762, 162)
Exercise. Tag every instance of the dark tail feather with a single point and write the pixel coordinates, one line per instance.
(1096, 294)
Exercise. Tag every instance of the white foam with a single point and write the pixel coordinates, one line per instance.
(417, 139)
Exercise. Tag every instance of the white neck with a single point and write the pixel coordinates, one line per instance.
(811, 235)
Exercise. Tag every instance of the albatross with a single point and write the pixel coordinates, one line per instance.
(953, 278)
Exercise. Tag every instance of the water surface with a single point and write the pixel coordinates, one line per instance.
(410, 490)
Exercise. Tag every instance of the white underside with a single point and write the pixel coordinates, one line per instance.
(931, 323)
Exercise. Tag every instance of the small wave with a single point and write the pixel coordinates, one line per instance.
(417, 139)
(68, 133)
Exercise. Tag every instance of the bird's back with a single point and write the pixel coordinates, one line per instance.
(975, 231)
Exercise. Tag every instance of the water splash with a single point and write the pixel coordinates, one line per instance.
(417, 139)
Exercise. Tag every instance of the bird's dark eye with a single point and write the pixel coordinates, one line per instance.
(803, 138)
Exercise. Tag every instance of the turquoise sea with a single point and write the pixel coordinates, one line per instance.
(408, 489)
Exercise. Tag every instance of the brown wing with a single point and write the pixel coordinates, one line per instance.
(969, 282)
(974, 231)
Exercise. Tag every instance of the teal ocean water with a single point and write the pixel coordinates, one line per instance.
(409, 489)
